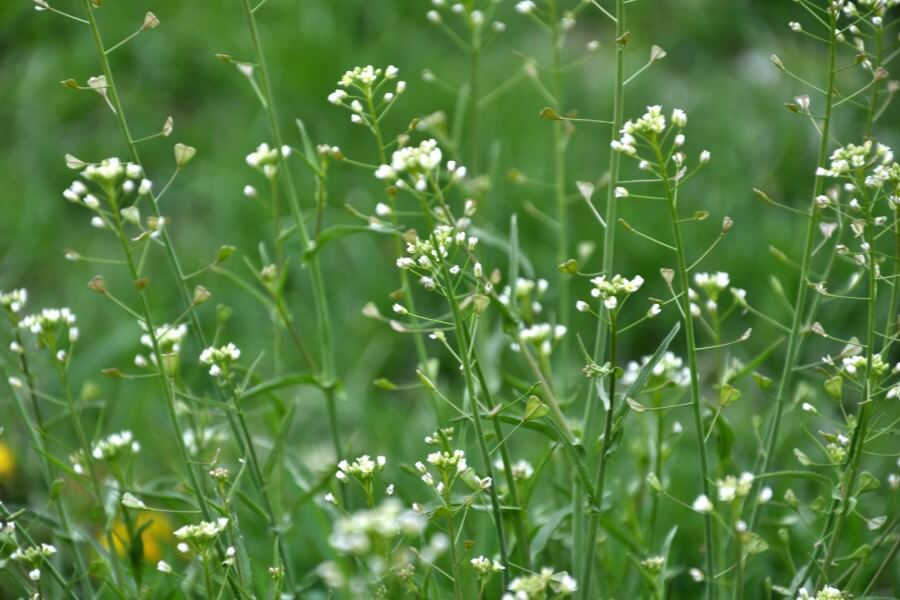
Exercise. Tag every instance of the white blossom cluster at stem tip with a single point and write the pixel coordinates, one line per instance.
(108, 174)
(612, 291)
(649, 128)
(265, 160)
(416, 165)
(537, 585)
(111, 448)
(363, 468)
(358, 88)
(872, 163)
(220, 359)
(359, 532)
(668, 369)
(435, 253)
(485, 567)
(14, 301)
(199, 536)
(826, 593)
(474, 17)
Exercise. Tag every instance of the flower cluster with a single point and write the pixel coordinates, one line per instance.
(418, 164)
(732, 488)
(450, 466)
(521, 469)
(363, 468)
(669, 369)
(265, 159)
(369, 81)
(474, 17)
(358, 532)
(867, 156)
(33, 557)
(535, 586)
(168, 337)
(485, 567)
(542, 336)
(49, 320)
(612, 291)
(851, 366)
(108, 449)
(220, 359)
(648, 128)
(13, 301)
(47, 326)
(826, 593)
(433, 253)
(200, 536)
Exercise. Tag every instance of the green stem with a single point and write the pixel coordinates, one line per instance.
(592, 415)
(39, 440)
(74, 414)
(795, 336)
(851, 470)
(464, 350)
(696, 399)
(323, 317)
(605, 451)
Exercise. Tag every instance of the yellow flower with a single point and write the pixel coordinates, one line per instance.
(7, 462)
(154, 537)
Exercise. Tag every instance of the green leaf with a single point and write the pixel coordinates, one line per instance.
(540, 539)
(644, 374)
(308, 148)
(280, 382)
(275, 455)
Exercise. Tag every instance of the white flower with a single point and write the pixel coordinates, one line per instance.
(621, 192)
(337, 97)
(705, 156)
(702, 504)
(163, 567)
(34, 574)
(250, 191)
(525, 6)
(131, 501)
(679, 118)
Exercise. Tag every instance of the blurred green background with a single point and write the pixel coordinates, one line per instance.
(717, 69)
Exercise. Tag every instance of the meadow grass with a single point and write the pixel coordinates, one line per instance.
(603, 393)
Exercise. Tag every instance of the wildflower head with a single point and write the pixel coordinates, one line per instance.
(220, 360)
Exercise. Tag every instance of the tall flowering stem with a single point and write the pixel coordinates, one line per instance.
(587, 569)
(691, 347)
(650, 133)
(465, 352)
(592, 414)
(323, 318)
(168, 395)
(795, 335)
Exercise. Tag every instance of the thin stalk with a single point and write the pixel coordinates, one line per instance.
(323, 317)
(592, 415)
(465, 358)
(851, 471)
(657, 471)
(600, 480)
(523, 554)
(795, 337)
(692, 364)
(92, 471)
(559, 188)
(113, 95)
(454, 560)
(418, 336)
(38, 438)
